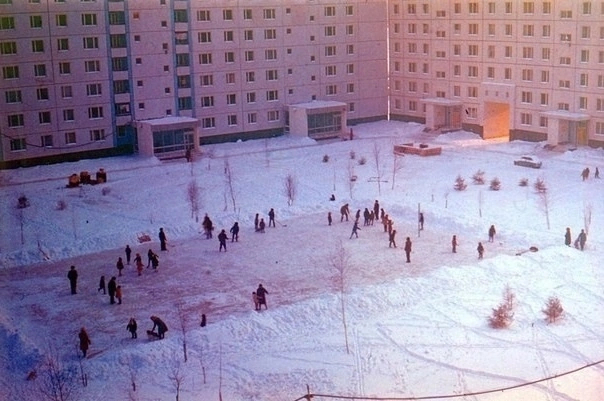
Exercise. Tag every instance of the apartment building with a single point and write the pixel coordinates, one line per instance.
(531, 70)
(89, 78)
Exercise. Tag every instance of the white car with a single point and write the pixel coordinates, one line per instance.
(528, 161)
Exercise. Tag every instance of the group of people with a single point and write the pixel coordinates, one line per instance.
(586, 171)
(259, 223)
(259, 297)
(579, 241)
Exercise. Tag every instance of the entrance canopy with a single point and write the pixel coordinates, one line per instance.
(566, 127)
(443, 114)
(167, 136)
(318, 119)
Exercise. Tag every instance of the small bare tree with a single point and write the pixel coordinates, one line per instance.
(340, 260)
(55, 381)
(184, 325)
(352, 178)
(397, 165)
(177, 376)
(290, 188)
(478, 177)
(210, 153)
(587, 209)
(193, 199)
(503, 315)
(553, 310)
(230, 183)
(377, 153)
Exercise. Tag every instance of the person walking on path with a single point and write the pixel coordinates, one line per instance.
(208, 226)
(480, 250)
(421, 221)
(581, 240)
(163, 239)
(155, 261)
(84, 341)
(102, 285)
(256, 221)
(261, 293)
(72, 275)
(376, 209)
(138, 261)
(391, 238)
(235, 232)
(119, 265)
(161, 327)
(222, 237)
(128, 254)
(271, 217)
(567, 237)
(408, 249)
(597, 173)
(132, 326)
(454, 244)
(111, 289)
(492, 233)
(329, 219)
(149, 257)
(355, 229)
(344, 212)
(118, 294)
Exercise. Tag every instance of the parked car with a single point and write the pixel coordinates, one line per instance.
(528, 161)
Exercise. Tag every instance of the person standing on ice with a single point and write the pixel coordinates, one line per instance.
(581, 240)
(118, 294)
(119, 265)
(421, 221)
(207, 226)
(84, 341)
(329, 219)
(366, 216)
(235, 232)
(261, 293)
(355, 229)
(256, 221)
(391, 238)
(271, 217)
(162, 239)
(132, 326)
(102, 285)
(492, 233)
(138, 261)
(454, 244)
(222, 237)
(567, 237)
(72, 275)
(344, 212)
(376, 209)
(408, 246)
(128, 253)
(111, 289)
(480, 250)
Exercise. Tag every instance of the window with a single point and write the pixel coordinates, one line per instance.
(441, 34)
(565, 37)
(582, 102)
(15, 120)
(491, 51)
(507, 73)
(600, 81)
(601, 57)
(473, 29)
(119, 64)
(88, 19)
(330, 51)
(207, 101)
(584, 56)
(248, 34)
(273, 75)
(599, 129)
(117, 41)
(249, 55)
(563, 106)
(42, 93)
(181, 16)
(564, 60)
(7, 22)
(544, 77)
(230, 77)
(329, 11)
(546, 31)
(472, 91)
(40, 70)
(272, 95)
(93, 89)
(121, 109)
(544, 99)
(585, 32)
(228, 36)
(44, 117)
(205, 58)
(473, 8)
(37, 46)
(491, 72)
(564, 84)
(247, 14)
(270, 34)
(586, 8)
(457, 70)
(350, 88)
(508, 30)
(231, 98)
(566, 14)
(527, 74)
(269, 13)
(457, 50)
(182, 59)
(528, 7)
(545, 53)
(204, 37)
(12, 96)
(92, 66)
(229, 57)
(68, 115)
(66, 92)
(547, 7)
(508, 7)
(528, 30)
(250, 76)
(527, 52)
(208, 122)
(526, 118)
(185, 103)
(251, 97)
(227, 15)
(121, 86)
(349, 10)
(600, 104)
(349, 49)
(97, 135)
(270, 54)
(232, 119)
(473, 50)
(117, 18)
(272, 115)
(181, 38)
(70, 138)
(35, 21)
(18, 144)
(331, 90)
(526, 97)
(10, 72)
(330, 30)
(203, 15)
(90, 42)
(8, 48)
(472, 71)
(97, 112)
(441, 74)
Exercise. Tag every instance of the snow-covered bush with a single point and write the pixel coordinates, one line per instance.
(495, 184)
(540, 186)
(478, 177)
(460, 183)
(523, 182)
(325, 158)
(553, 310)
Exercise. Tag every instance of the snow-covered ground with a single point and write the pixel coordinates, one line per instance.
(414, 329)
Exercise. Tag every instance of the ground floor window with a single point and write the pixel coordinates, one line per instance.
(17, 144)
(324, 122)
(172, 140)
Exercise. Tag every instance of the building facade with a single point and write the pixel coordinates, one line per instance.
(85, 78)
(531, 70)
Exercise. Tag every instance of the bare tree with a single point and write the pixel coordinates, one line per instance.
(447, 198)
(377, 151)
(340, 260)
(184, 323)
(55, 381)
(177, 376)
(210, 153)
(587, 209)
(290, 188)
(397, 165)
(352, 178)
(544, 199)
(193, 198)
(230, 183)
